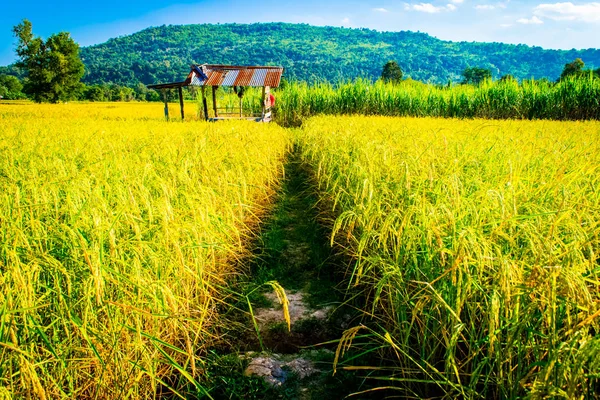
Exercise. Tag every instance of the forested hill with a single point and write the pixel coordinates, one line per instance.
(163, 54)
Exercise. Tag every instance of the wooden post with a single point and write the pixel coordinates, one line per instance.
(214, 95)
(263, 103)
(205, 104)
(181, 102)
(166, 104)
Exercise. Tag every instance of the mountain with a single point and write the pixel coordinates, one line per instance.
(163, 54)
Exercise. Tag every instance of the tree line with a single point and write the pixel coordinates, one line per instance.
(475, 75)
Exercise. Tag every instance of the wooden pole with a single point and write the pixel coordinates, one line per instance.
(214, 96)
(181, 102)
(166, 104)
(263, 103)
(205, 104)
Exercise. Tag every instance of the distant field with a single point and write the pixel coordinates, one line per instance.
(116, 111)
(116, 231)
(476, 244)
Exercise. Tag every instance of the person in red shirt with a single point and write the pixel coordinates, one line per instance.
(271, 99)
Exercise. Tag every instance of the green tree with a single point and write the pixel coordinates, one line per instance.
(10, 87)
(573, 68)
(126, 94)
(94, 93)
(391, 72)
(476, 75)
(53, 67)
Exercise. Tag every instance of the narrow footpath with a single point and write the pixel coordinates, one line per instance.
(264, 358)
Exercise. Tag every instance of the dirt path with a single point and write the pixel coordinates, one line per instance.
(278, 362)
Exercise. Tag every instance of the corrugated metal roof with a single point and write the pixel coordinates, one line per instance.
(214, 78)
(233, 75)
(244, 77)
(195, 80)
(230, 78)
(258, 79)
(273, 78)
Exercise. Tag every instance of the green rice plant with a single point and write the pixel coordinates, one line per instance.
(476, 245)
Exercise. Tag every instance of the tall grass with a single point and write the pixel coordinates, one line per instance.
(115, 235)
(569, 99)
(477, 245)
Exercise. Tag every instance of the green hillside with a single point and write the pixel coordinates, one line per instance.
(310, 53)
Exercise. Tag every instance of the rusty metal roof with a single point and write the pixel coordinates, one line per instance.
(234, 75)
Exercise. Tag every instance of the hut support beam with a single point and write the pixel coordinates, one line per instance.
(166, 104)
(181, 102)
(214, 98)
(263, 102)
(204, 103)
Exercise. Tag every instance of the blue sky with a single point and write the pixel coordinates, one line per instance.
(546, 23)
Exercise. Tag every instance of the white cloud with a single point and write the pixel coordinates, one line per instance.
(505, 25)
(485, 7)
(586, 12)
(346, 21)
(380, 9)
(429, 8)
(457, 1)
(531, 21)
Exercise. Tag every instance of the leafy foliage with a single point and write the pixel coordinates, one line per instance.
(310, 53)
(572, 68)
(53, 67)
(391, 72)
(575, 69)
(11, 87)
(476, 75)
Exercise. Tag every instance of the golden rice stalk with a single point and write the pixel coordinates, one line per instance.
(345, 344)
(283, 300)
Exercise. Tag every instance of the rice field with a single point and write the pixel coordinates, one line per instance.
(473, 245)
(118, 231)
(476, 245)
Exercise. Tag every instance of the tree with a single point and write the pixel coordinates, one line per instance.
(573, 68)
(476, 75)
(10, 87)
(94, 93)
(391, 72)
(53, 67)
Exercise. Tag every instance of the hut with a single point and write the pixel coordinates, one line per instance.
(238, 77)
